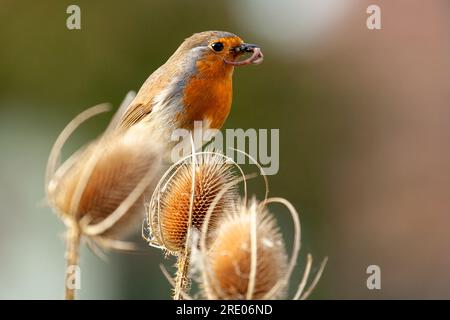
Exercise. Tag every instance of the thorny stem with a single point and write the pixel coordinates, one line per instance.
(181, 280)
(72, 254)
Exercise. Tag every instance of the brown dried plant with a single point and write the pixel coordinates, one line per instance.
(247, 259)
(229, 260)
(98, 191)
(180, 202)
(238, 250)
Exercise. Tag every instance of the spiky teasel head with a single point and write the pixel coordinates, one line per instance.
(101, 187)
(184, 195)
(247, 257)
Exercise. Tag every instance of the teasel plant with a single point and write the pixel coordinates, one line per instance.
(98, 192)
(247, 259)
(234, 250)
(179, 204)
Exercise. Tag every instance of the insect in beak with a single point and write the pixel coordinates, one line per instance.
(255, 58)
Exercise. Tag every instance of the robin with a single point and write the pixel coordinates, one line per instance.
(99, 190)
(195, 84)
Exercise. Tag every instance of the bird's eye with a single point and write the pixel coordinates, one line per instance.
(217, 46)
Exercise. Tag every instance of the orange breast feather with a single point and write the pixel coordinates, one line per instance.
(208, 95)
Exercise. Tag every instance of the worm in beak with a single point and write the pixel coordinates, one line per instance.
(256, 57)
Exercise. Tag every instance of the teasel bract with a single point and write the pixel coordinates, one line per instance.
(180, 202)
(99, 191)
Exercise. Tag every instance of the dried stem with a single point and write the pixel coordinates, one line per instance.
(72, 255)
(181, 280)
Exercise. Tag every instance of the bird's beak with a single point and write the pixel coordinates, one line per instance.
(255, 58)
(245, 47)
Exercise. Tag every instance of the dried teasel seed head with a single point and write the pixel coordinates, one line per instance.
(101, 187)
(170, 206)
(227, 268)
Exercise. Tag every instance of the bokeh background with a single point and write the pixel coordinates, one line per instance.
(364, 119)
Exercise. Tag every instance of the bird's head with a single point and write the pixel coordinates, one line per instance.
(218, 50)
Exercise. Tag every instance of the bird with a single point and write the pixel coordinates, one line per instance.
(195, 84)
(99, 191)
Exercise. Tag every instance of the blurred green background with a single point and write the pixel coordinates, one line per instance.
(364, 119)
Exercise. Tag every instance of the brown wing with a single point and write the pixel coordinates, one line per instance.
(142, 105)
(135, 113)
